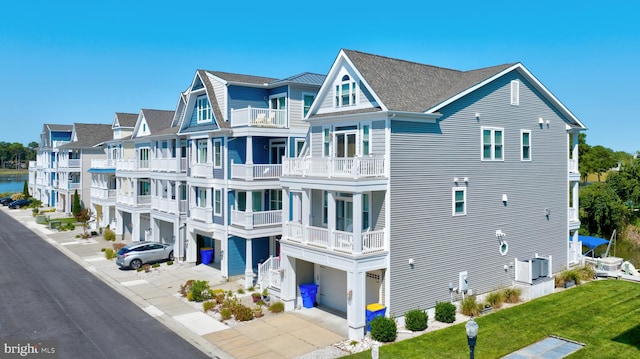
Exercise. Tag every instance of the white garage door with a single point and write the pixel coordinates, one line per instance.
(333, 289)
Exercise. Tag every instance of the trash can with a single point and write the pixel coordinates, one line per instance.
(308, 293)
(374, 310)
(206, 254)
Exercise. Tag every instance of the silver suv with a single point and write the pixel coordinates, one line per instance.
(136, 254)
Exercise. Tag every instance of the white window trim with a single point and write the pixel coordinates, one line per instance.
(515, 92)
(217, 194)
(369, 200)
(307, 94)
(453, 201)
(278, 95)
(522, 132)
(353, 89)
(295, 149)
(330, 141)
(199, 118)
(202, 143)
(213, 153)
(368, 124)
(493, 145)
(325, 219)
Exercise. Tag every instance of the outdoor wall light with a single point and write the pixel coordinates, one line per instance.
(504, 198)
(455, 179)
(540, 121)
(466, 179)
(411, 262)
(477, 115)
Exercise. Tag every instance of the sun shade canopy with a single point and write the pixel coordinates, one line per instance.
(591, 242)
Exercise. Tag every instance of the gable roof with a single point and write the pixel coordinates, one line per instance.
(88, 135)
(213, 101)
(125, 119)
(413, 87)
(157, 120)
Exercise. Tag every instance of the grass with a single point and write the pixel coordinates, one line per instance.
(601, 314)
(11, 171)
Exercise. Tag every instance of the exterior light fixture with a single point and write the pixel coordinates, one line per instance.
(472, 335)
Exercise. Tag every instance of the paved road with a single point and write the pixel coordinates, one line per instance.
(44, 295)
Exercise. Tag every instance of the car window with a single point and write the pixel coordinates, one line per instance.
(156, 246)
(123, 250)
(142, 248)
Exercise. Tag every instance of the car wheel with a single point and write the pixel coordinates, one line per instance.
(170, 256)
(135, 264)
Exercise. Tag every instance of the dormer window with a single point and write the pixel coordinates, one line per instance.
(345, 92)
(203, 109)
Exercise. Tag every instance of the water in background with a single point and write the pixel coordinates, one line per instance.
(12, 183)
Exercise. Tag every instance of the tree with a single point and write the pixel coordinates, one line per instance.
(25, 189)
(84, 217)
(626, 182)
(77, 207)
(601, 209)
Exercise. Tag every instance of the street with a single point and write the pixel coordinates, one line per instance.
(47, 296)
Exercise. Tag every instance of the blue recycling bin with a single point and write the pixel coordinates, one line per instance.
(374, 310)
(206, 255)
(308, 292)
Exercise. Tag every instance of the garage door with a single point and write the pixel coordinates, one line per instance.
(333, 289)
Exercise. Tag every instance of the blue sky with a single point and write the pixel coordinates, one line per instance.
(82, 61)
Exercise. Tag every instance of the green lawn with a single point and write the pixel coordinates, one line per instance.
(604, 315)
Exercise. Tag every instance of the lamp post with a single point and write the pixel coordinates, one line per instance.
(472, 335)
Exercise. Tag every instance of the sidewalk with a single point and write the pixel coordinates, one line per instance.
(285, 335)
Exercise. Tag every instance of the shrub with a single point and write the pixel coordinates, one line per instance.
(383, 329)
(445, 312)
(146, 268)
(155, 265)
(170, 263)
(109, 253)
(198, 288)
(109, 235)
(469, 306)
(186, 287)
(240, 291)
(511, 295)
(139, 269)
(416, 320)
(277, 307)
(243, 313)
(495, 299)
(208, 305)
(225, 313)
(101, 249)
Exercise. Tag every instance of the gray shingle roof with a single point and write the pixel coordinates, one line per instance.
(127, 119)
(409, 86)
(213, 101)
(89, 134)
(247, 79)
(158, 120)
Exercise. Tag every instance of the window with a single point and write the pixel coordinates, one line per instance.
(326, 140)
(144, 157)
(515, 92)
(201, 197)
(459, 201)
(275, 199)
(217, 153)
(492, 144)
(203, 109)
(525, 154)
(366, 129)
(365, 211)
(325, 206)
(144, 187)
(299, 145)
(345, 92)
(307, 100)
(202, 150)
(217, 204)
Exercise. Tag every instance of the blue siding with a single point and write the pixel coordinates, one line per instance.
(260, 155)
(259, 251)
(193, 122)
(243, 97)
(279, 90)
(238, 150)
(236, 255)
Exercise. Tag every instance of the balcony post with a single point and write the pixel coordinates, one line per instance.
(357, 223)
(248, 268)
(306, 213)
(331, 217)
(249, 146)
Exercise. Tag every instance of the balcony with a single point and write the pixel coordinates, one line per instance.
(350, 167)
(103, 163)
(203, 170)
(70, 163)
(174, 165)
(132, 165)
(338, 241)
(255, 171)
(201, 214)
(134, 201)
(574, 218)
(70, 185)
(103, 193)
(259, 117)
(168, 205)
(249, 220)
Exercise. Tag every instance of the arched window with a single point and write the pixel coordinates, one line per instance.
(345, 92)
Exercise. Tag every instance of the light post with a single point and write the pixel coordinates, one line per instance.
(472, 335)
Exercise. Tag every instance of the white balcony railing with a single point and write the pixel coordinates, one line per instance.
(132, 165)
(339, 241)
(103, 193)
(573, 166)
(201, 214)
(270, 273)
(249, 220)
(132, 200)
(255, 171)
(259, 117)
(573, 215)
(74, 185)
(174, 164)
(168, 205)
(103, 163)
(351, 167)
(204, 170)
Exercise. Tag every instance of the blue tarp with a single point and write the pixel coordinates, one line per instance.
(591, 242)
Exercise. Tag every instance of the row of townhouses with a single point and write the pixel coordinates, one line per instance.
(384, 181)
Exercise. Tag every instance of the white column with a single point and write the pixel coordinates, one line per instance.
(248, 270)
(248, 214)
(135, 229)
(357, 223)
(356, 286)
(306, 213)
(285, 207)
(331, 216)
(191, 247)
(288, 286)
(119, 223)
(249, 147)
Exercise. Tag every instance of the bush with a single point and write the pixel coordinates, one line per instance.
(109, 235)
(109, 253)
(495, 299)
(383, 329)
(511, 295)
(241, 291)
(416, 320)
(445, 312)
(277, 307)
(155, 265)
(198, 288)
(243, 313)
(170, 263)
(469, 306)
(186, 287)
(225, 313)
(208, 305)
